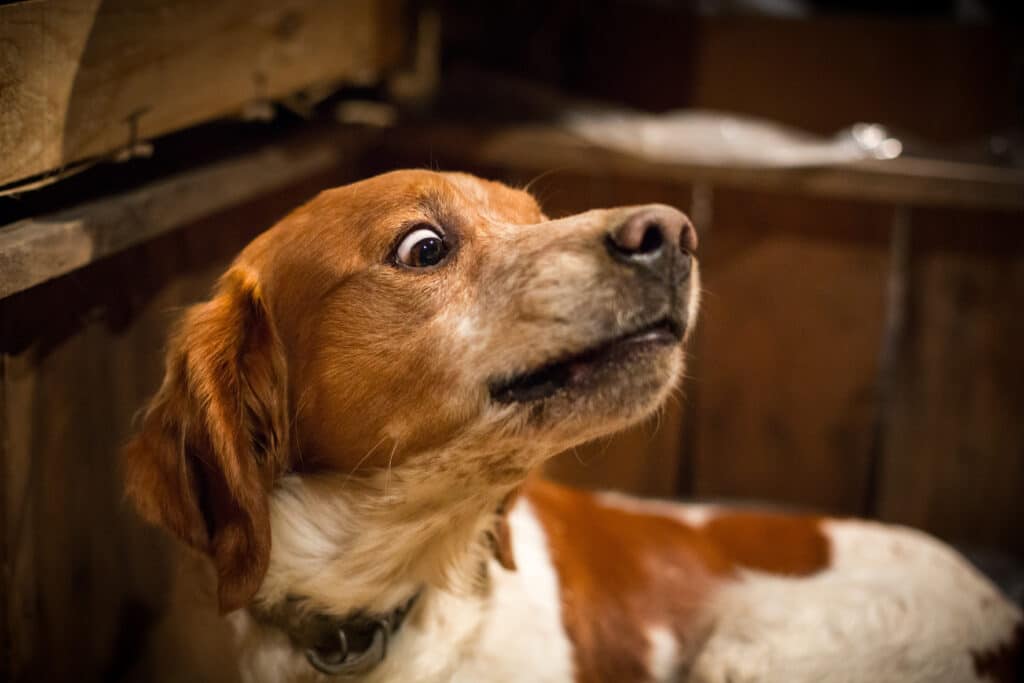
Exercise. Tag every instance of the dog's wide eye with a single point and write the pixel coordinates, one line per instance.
(421, 248)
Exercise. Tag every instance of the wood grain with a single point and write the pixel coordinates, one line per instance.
(955, 456)
(83, 78)
(38, 249)
(791, 326)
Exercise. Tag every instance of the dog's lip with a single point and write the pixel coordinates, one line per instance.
(548, 379)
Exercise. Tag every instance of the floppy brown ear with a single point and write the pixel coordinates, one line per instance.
(214, 438)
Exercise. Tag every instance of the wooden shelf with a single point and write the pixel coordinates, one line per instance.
(535, 149)
(38, 249)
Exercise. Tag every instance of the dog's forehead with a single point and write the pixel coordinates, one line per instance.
(345, 229)
(495, 200)
(366, 216)
(431, 195)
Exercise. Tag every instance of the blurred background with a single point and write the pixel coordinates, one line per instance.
(855, 169)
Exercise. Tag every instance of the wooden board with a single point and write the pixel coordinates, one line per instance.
(790, 333)
(38, 249)
(83, 78)
(955, 455)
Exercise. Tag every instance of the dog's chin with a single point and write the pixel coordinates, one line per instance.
(617, 380)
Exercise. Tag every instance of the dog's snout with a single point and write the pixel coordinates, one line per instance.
(650, 237)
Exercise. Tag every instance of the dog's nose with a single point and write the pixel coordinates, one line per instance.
(653, 237)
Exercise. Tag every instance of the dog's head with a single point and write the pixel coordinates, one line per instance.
(415, 324)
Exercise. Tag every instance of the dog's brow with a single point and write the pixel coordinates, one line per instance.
(437, 207)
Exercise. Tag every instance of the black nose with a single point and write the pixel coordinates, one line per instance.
(654, 238)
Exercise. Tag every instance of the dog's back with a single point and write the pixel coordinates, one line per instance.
(660, 591)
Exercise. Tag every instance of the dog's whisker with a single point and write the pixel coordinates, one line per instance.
(387, 474)
(540, 176)
(294, 426)
(361, 461)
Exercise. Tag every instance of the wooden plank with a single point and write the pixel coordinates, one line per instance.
(791, 326)
(38, 249)
(536, 149)
(6, 616)
(20, 575)
(955, 457)
(83, 78)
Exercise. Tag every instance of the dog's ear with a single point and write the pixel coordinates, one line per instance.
(215, 436)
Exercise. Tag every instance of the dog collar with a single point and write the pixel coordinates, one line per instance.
(343, 646)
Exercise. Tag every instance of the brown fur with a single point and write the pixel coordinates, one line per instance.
(213, 440)
(318, 355)
(622, 571)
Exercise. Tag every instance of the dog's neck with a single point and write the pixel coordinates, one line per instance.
(342, 544)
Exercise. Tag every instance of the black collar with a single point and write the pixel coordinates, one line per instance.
(341, 646)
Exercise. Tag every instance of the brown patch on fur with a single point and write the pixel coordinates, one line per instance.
(620, 573)
(775, 543)
(213, 439)
(623, 572)
(1005, 663)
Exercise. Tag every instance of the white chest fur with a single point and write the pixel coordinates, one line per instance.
(512, 632)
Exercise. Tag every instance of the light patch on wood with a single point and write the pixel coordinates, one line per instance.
(84, 79)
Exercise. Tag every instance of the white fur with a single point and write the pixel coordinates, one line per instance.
(663, 658)
(522, 638)
(896, 605)
(691, 514)
(510, 631)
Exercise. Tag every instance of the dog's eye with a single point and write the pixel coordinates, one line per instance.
(421, 248)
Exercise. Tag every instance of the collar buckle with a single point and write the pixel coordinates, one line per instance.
(335, 658)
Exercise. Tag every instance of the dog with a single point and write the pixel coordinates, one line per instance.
(349, 429)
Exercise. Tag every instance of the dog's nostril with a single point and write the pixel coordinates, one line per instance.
(642, 234)
(652, 240)
(650, 232)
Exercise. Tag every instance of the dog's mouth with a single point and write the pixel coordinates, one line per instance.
(576, 369)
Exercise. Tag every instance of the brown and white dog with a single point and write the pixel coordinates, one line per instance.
(348, 427)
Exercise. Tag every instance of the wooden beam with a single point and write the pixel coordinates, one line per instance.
(38, 249)
(536, 149)
(83, 78)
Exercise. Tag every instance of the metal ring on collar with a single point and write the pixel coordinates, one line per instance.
(338, 661)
